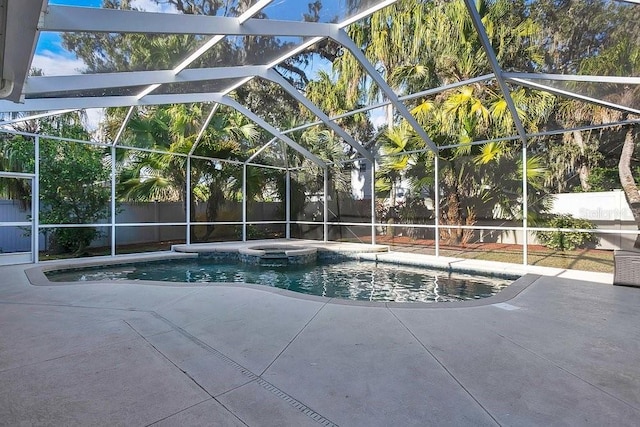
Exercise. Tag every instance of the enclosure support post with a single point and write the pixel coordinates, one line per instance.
(373, 202)
(35, 203)
(325, 206)
(525, 207)
(113, 200)
(244, 202)
(287, 204)
(188, 201)
(436, 202)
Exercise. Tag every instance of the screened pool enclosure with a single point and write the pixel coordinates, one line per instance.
(494, 129)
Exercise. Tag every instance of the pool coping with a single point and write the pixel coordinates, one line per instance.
(36, 276)
(522, 275)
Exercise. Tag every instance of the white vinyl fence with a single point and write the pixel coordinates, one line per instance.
(608, 210)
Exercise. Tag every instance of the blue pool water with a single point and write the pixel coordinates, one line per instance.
(353, 280)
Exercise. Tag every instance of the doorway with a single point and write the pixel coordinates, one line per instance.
(17, 225)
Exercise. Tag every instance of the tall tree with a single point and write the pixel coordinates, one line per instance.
(162, 177)
(596, 38)
(627, 180)
(448, 50)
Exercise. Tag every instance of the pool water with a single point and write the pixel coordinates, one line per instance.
(353, 280)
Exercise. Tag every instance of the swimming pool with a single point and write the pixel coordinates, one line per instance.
(347, 279)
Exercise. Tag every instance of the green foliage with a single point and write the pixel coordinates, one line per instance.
(567, 240)
(73, 190)
(16, 155)
(73, 180)
(604, 179)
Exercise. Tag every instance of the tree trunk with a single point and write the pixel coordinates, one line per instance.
(216, 198)
(583, 170)
(627, 181)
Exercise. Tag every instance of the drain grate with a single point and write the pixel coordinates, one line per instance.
(259, 380)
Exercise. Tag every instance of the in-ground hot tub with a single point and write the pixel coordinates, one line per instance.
(281, 254)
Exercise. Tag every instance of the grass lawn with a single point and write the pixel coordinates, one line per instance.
(106, 251)
(579, 259)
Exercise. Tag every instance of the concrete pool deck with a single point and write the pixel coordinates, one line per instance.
(563, 351)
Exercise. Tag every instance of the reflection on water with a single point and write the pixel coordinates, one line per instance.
(354, 280)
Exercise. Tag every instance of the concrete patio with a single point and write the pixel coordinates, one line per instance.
(560, 352)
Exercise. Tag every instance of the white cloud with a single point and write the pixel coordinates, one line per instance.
(152, 6)
(53, 64)
(378, 117)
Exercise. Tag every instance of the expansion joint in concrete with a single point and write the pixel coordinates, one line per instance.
(195, 381)
(439, 362)
(294, 337)
(562, 368)
(246, 372)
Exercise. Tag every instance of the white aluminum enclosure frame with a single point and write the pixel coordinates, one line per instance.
(40, 17)
(22, 257)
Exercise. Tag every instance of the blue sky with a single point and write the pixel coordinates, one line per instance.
(278, 9)
(51, 41)
(53, 59)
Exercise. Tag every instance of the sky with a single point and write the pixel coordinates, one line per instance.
(53, 59)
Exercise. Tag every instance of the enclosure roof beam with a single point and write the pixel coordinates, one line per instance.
(334, 35)
(97, 20)
(277, 61)
(125, 101)
(123, 126)
(260, 150)
(366, 12)
(427, 92)
(573, 95)
(214, 40)
(346, 42)
(52, 84)
(48, 104)
(573, 78)
(272, 130)
(34, 116)
(204, 127)
(273, 76)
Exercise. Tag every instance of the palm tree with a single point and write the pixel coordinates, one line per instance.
(451, 52)
(383, 38)
(607, 46)
(327, 91)
(146, 176)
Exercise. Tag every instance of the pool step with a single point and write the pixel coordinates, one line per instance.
(280, 255)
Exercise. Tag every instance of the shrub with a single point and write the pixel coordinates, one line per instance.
(567, 240)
